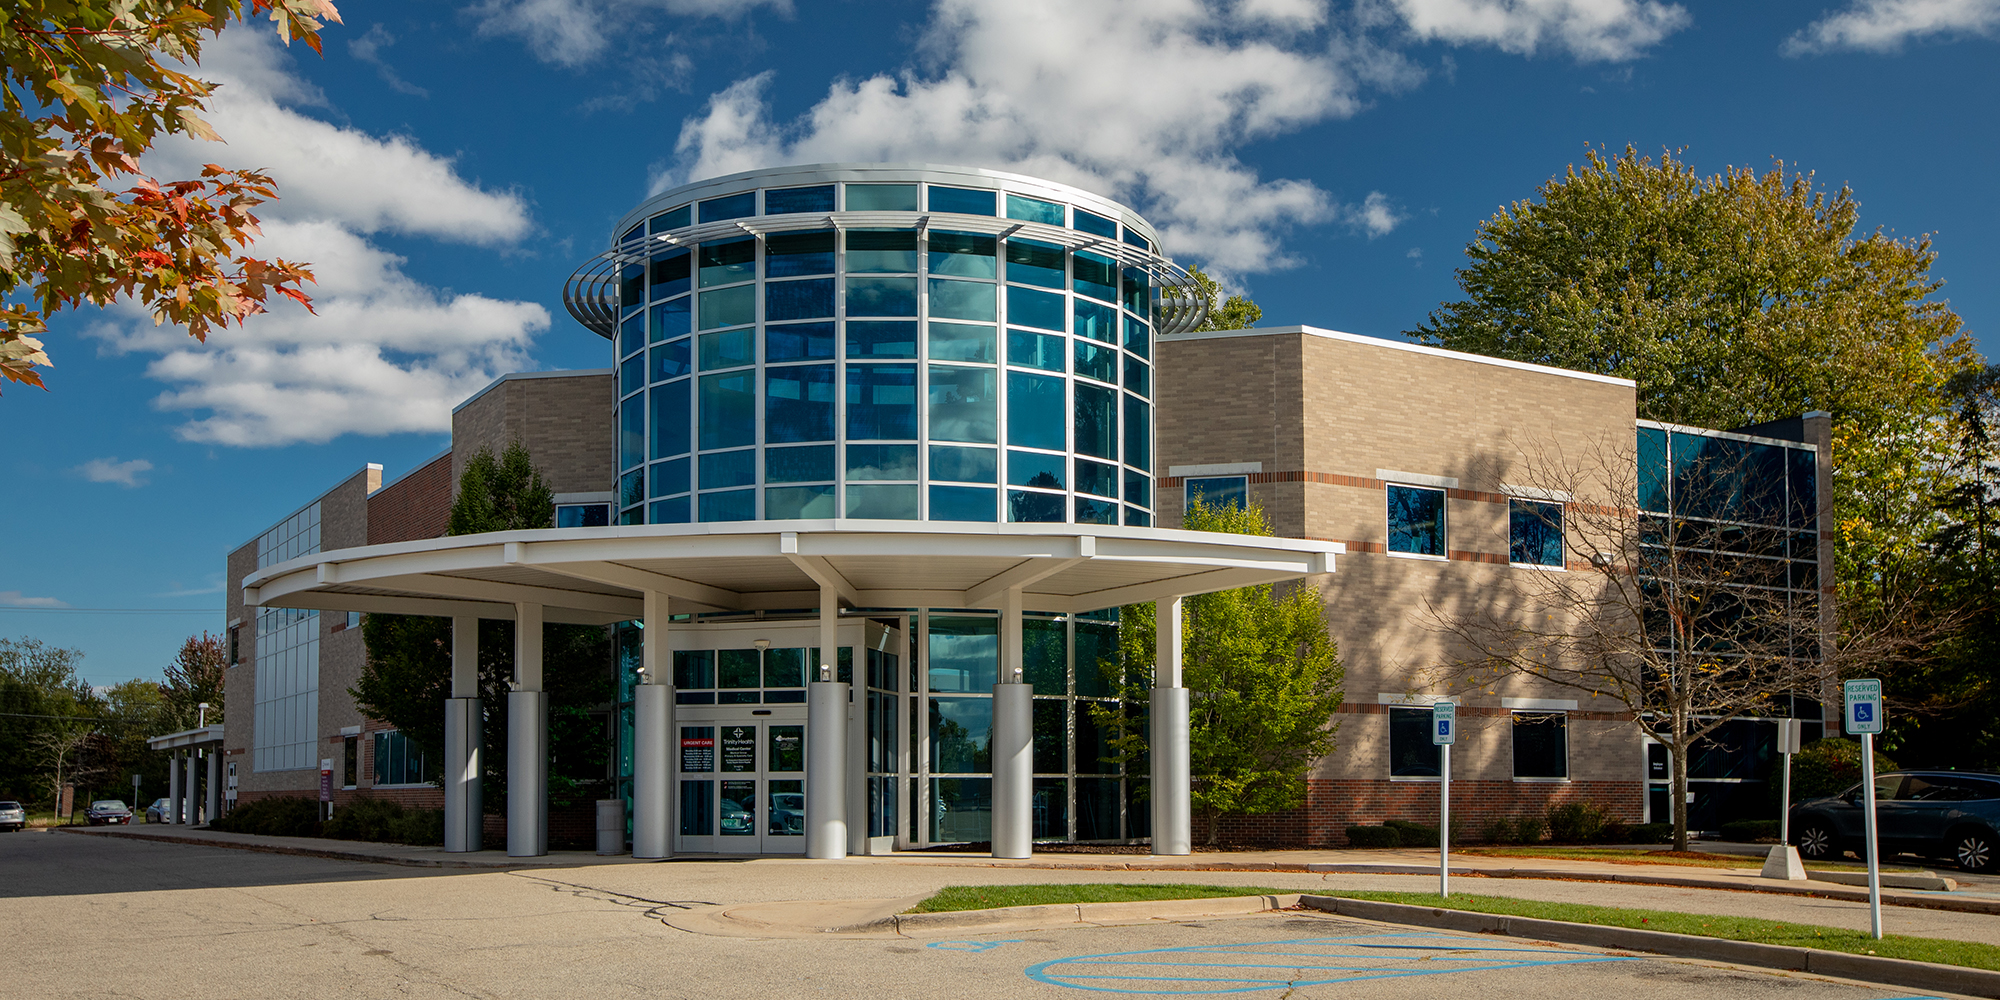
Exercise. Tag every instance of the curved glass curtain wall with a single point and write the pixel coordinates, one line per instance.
(884, 372)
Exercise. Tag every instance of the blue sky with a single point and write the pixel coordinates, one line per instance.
(444, 166)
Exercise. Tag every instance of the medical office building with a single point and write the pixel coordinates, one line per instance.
(942, 421)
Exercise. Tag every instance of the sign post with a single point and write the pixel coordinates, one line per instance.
(1444, 732)
(1783, 861)
(325, 788)
(1864, 717)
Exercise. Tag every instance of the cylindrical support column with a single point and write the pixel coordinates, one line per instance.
(826, 766)
(1013, 770)
(174, 788)
(192, 787)
(464, 736)
(527, 774)
(1171, 791)
(652, 769)
(212, 785)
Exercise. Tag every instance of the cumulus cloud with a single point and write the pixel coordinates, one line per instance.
(1146, 102)
(1375, 216)
(575, 32)
(111, 470)
(386, 353)
(1589, 30)
(1884, 25)
(15, 599)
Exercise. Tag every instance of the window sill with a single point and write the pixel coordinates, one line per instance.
(1540, 781)
(413, 784)
(1418, 778)
(1538, 567)
(1418, 556)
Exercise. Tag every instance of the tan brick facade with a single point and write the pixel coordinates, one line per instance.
(564, 418)
(416, 506)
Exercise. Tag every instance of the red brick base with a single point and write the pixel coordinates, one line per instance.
(1334, 805)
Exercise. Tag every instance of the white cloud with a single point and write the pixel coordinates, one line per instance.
(1590, 30)
(386, 354)
(368, 48)
(575, 32)
(1143, 102)
(1884, 25)
(111, 470)
(14, 599)
(1375, 215)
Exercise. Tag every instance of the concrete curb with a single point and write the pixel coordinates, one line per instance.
(314, 852)
(1869, 968)
(1056, 914)
(1890, 880)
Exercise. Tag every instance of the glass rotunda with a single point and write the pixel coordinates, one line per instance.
(883, 342)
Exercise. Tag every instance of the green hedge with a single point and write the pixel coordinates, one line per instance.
(288, 816)
(1373, 836)
(1749, 831)
(378, 820)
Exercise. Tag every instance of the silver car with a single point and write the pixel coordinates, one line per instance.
(12, 816)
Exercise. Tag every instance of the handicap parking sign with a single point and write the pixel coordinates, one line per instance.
(1864, 706)
(1444, 723)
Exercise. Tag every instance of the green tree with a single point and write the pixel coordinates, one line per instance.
(41, 693)
(1264, 681)
(90, 86)
(193, 678)
(1231, 312)
(501, 494)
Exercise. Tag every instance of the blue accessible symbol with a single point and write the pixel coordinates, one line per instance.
(974, 946)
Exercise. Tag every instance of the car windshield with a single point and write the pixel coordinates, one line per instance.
(9, 805)
(107, 804)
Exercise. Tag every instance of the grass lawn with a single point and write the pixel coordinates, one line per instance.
(987, 897)
(1626, 856)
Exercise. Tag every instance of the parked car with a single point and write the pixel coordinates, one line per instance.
(107, 812)
(161, 812)
(788, 814)
(1951, 815)
(13, 816)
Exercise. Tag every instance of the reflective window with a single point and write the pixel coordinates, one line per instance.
(787, 503)
(964, 201)
(1138, 337)
(876, 339)
(881, 461)
(798, 403)
(631, 434)
(1534, 533)
(882, 502)
(631, 334)
(788, 255)
(882, 198)
(1138, 433)
(806, 299)
(1090, 511)
(583, 515)
(735, 206)
(670, 419)
(1035, 350)
(678, 218)
(1095, 224)
(674, 511)
(1138, 291)
(1653, 477)
(669, 360)
(670, 319)
(1096, 421)
(963, 465)
(1137, 240)
(670, 273)
(1035, 411)
(963, 503)
(1138, 488)
(799, 342)
(962, 255)
(1541, 744)
(729, 468)
(631, 286)
(1411, 752)
(798, 465)
(961, 810)
(1416, 520)
(730, 349)
(1219, 491)
(729, 307)
(1096, 322)
(876, 251)
(961, 342)
(667, 479)
(728, 410)
(967, 300)
(694, 669)
(1033, 263)
(965, 656)
(882, 402)
(1096, 361)
(881, 296)
(1029, 468)
(727, 263)
(1034, 508)
(785, 201)
(1096, 277)
(1028, 307)
(962, 404)
(1034, 210)
(632, 488)
(1096, 477)
(631, 376)
(735, 505)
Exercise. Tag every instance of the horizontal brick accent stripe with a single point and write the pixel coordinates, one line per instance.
(1375, 708)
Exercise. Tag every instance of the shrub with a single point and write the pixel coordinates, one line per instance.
(1750, 831)
(1373, 836)
(1413, 834)
(384, 821)
(1577, 822)
(1829, 767)
(1651, 833)
(1514, 830)
(289, 816)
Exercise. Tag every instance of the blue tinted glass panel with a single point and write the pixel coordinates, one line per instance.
(1035, 411)
(1534, 533)
(1416, 520)
(631, 286)
(1136, 518)
(1095, 224)
(730, 349)
(673, 511)
(788, 503)
(678, 218)
(734, 505)
(808, 299)
(728, 468)
(1138, 488)
(670, 418)
(883, 502)
(881, 197)
(881, 461)
(1034, 210)
(882, 402)
(1097, 478)
(969, 300)
(1138, 377)
(1024, 507)
(1138, 433)
(667, 478)
(1035, 350)
(668, 360)
(965, 656)
(1653, 477)
(632, 334)
(876, 339)
(1218, 491)
(1096, 361)
(670, 319)
(729, 307)
(1136, 240)
(1096, 277)
(961, 809)
(1028, 468)
(963, 404)
(1028, 307)
(727, 263)
(798, 465)
(735, 206)
(583, 515)
(632, 376)
(962, 255)
(728, 410)
(632, 488)
(963, 465)
(1096, 322)
(785, 201)
(631, 434)
(636, 515)
(790, 255)
(1033, 263)
(881, 296)
(1138, 292)
(695, 668)
(799, 342)
(961, 342)
(670, 273)
(964, 201)
(1097, 421)
(878, 251)
(1090, 511)
(798, 403)
(1804, 488)
(964, 503)
(1138, 338)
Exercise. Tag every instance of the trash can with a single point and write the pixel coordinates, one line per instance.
(610, 826)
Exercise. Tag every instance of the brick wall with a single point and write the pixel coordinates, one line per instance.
(565, 419)
(413, 507)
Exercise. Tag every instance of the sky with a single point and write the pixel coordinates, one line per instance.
(443, 167)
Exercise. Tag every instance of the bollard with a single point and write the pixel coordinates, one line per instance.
(610, 826)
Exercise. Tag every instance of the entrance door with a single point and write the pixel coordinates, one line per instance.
(742, 786)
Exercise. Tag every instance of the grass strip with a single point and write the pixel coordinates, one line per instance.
(1772, 932)
(952, 898)
(1624, 856)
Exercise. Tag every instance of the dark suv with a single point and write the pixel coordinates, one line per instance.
(1936, 814)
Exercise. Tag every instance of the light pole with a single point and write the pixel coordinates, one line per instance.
(201, 716)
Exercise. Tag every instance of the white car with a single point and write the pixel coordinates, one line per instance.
(12, 815)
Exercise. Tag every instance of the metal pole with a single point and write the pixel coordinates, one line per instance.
(1444, 821)
(1785, 806)
(1874, 862)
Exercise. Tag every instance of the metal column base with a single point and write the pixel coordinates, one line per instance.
(527, 774)
(464, 734)
(652, 768)
(826, 770)
(1013, 770)
(1172, 781)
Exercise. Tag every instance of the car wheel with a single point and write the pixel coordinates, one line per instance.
(1973, 850)
(1816, 842)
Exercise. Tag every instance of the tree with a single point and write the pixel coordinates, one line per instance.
(501, 495)
(90, 86)
(1231, 312)
(195, 677)
(40, 692)
(1264, 681)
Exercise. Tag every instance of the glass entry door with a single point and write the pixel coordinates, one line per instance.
(742, 786)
